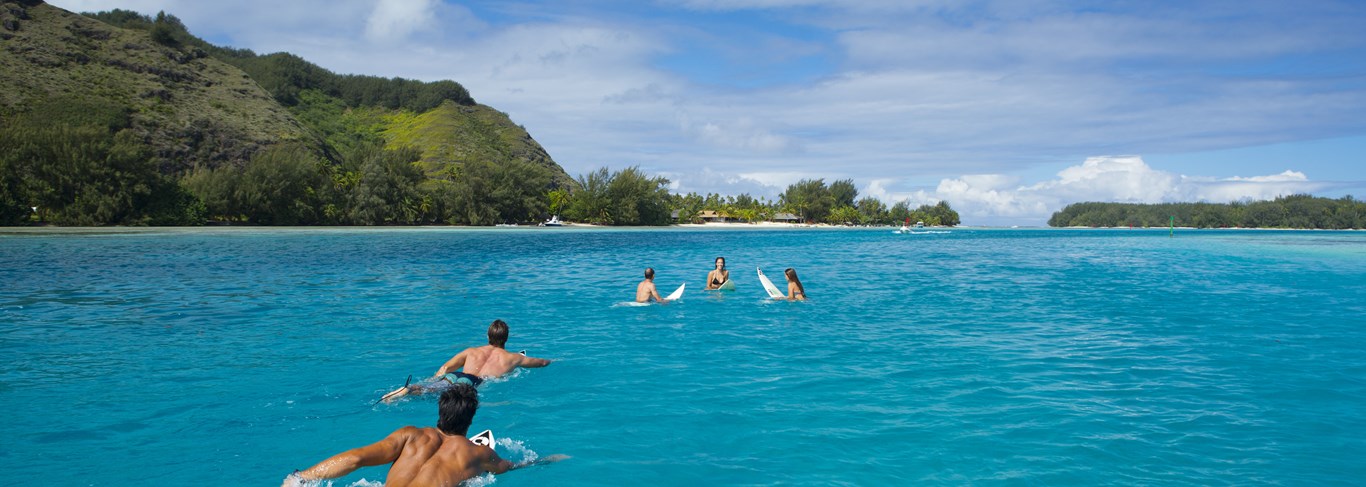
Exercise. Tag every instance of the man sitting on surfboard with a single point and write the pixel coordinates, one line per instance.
(645, 291)
(719, 276)
(479, 362)
(423, 456)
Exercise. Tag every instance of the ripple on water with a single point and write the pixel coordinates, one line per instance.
(978, 356)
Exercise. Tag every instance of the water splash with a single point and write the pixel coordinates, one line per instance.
(297, 482)
(516, 452)
(480, 481)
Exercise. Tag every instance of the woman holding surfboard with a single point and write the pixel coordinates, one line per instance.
(719, 278)
(795, 290)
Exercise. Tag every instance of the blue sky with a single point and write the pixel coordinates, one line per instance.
(1008, 110)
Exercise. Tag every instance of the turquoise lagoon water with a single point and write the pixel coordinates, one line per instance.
(1046, 357)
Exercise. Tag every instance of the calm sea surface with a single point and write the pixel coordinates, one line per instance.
(1041, 357)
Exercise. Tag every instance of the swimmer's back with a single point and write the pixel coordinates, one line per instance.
(490, 361)
(430, 458)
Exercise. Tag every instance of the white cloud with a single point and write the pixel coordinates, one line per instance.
(983, 195)
(393, 20)
(1288, 175)
(878, 189)
(1249, 188)
(779, 180)
(996, 199)
(1111, 178)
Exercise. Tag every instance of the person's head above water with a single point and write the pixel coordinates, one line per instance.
(720, 262)
(498, 333)
(455, 410)
(792, 276)
(649, 273)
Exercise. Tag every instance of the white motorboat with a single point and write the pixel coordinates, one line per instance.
(906, 228)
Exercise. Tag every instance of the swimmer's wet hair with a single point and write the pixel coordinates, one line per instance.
(498, 333)
(456, 409)
(649, 273)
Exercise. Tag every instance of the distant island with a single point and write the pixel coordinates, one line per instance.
(1295, 211)
(118, 118)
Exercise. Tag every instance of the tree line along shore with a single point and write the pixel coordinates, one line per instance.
(1293, 211)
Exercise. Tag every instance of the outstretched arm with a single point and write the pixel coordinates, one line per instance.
(496, 465)
(532, 362)
(455, 362)
(380, 453)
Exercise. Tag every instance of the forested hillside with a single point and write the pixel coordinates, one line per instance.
(119, 118)
(1296, 211)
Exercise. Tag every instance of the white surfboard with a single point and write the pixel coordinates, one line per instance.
(773, 291)
(483, 439)
(678, 293)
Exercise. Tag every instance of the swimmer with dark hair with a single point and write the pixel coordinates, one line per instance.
(718, 276)
(423, 456)
(795, 290)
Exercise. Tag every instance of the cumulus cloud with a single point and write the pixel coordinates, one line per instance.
(996, 199)
(1110, 178)
(393, 20)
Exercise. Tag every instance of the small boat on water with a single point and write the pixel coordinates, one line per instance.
(907, 228)
(554, 221)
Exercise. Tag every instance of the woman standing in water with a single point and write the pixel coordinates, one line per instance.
(795, 291)
(719, 276)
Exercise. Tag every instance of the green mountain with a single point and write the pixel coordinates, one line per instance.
(452, 133)
(188, 107)
(120, 118)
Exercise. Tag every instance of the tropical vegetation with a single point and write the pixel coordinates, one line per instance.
(130, 120)
(1294, 211)
(813, 201)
